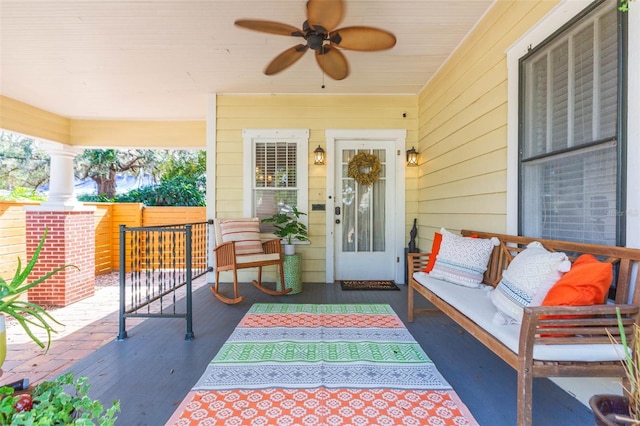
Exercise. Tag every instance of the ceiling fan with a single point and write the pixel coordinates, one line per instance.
(321, 35)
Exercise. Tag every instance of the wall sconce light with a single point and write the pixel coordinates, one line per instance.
(318, 156)
(412, 157)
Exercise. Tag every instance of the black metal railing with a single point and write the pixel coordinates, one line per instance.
(157, 267)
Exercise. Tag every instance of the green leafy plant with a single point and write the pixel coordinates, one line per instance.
(26, 313)
(63, 401)
(288, 227)
(624, 5)
(631, 364)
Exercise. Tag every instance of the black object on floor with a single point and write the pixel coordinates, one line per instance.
(368, 285)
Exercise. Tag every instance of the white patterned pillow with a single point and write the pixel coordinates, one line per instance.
(462, 260)
(527, 280)
(245, 233)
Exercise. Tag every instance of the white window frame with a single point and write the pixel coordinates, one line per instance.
(299, 136)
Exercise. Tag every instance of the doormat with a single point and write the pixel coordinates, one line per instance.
(368, 285)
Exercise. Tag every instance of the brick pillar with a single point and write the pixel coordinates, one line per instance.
(70, 241)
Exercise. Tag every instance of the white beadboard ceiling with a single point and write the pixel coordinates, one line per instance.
(158, 59)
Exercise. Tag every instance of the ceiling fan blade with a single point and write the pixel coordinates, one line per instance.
(363, 38)
(332, 62)
(325, 13)
(270, 27)
(285, 59)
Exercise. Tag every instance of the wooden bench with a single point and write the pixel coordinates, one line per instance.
(579, 325)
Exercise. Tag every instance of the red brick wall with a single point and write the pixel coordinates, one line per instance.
(70, 240)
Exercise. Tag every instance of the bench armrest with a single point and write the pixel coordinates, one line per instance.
(563, 325)
(417, 262)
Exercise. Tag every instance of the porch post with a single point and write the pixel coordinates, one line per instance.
(70, 235)
(61, 179)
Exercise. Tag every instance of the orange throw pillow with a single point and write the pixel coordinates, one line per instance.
(435, 248)
(585, 284)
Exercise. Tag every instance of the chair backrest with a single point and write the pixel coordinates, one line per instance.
(264, 236)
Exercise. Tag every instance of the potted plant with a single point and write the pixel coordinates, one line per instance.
(612, 410)
(27, 314)
(288, 227)
(63, 401)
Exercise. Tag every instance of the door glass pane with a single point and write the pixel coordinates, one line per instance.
(364, 217)
(348, 214)
(348, 205)
(363, 209)
(378, 213)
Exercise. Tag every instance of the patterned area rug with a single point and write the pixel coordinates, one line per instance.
(289, 364)
(368, 285)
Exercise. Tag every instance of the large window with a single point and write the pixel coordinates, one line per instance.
(570, 159)
(275, 172)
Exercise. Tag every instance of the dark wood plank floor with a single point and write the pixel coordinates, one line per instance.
(152, 370)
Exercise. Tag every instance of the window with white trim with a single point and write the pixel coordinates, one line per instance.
(275, 172)
(570, 161)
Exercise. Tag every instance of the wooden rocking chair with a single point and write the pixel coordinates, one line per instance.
(239, 245)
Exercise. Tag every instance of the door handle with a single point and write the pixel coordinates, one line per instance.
(337, 211)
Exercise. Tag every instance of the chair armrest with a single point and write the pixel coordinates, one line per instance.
(225, 254)
(272, 246)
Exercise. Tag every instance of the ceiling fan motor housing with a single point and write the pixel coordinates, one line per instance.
(315, 40)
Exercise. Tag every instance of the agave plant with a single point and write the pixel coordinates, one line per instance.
(26, 313)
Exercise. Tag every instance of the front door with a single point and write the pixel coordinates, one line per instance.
(364, 215)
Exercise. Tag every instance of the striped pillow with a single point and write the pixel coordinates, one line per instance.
(462, 260)
(245, 233)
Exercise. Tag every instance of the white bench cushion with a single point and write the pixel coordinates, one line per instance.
(475, 303)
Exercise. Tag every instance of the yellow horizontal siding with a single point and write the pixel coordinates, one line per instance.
(463, 127)
(152, 134)
(316, 113)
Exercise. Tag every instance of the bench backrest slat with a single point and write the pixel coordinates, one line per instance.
(628, 278)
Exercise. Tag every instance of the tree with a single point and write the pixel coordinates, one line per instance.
(22, 163)
(191, 165)
(102, 166)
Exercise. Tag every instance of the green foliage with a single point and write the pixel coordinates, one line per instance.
(22, 162)
(188, 164)
(624, 5)
(631, 364)
(23, 194)
(28, 314)
(63, 401)
(288, 227)
(175, 191)
(92, 198)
